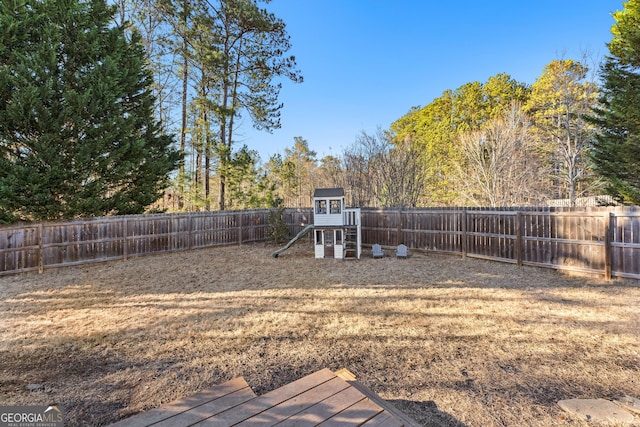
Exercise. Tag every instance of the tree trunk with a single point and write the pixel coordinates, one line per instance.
(185, 87)
(207, 152)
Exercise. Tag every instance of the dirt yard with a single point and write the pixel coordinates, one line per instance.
(450, 341)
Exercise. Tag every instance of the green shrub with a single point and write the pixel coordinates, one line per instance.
(277, 230)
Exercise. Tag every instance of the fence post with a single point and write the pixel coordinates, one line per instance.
(239, 219)
(190, 231)
(519, 233)
(463, 237)
(125, 243)
(608, 227)
(40, 248)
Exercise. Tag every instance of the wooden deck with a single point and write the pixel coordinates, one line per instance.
(324, 398)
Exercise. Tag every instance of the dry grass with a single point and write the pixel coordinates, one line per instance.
(451, 341)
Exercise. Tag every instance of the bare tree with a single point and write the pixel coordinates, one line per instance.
(499, 163)
(359, 169)
(401, 182)
(378, 171)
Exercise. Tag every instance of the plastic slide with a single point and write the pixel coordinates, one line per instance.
(292, 241)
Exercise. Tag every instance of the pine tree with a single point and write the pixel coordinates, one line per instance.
(77, 132)
(616, 151)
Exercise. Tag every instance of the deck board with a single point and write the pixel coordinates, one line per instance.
(354, 415)
(206, 411)
(384, 419)
(179, 406)
(324, 410)
(262, 403)
(323, 398)
(406, 421)
(296, 404)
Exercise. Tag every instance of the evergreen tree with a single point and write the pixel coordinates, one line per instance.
(277, 229)
(251, 50)
(77, 131)
(248, 185)
(616, 152)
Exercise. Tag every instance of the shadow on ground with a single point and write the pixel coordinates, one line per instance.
(426, 413)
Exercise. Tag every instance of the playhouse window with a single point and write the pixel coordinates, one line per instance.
(321, 206)
(338, 237)
(318, 237)
(335, 206)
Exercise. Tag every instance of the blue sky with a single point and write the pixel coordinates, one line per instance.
(367, 62)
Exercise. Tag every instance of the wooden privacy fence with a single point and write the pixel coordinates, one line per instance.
(594, 240)
(34, 247)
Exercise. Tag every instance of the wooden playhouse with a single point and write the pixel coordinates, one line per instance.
(337, 232)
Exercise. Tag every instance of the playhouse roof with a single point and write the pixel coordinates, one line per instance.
(328, 192)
